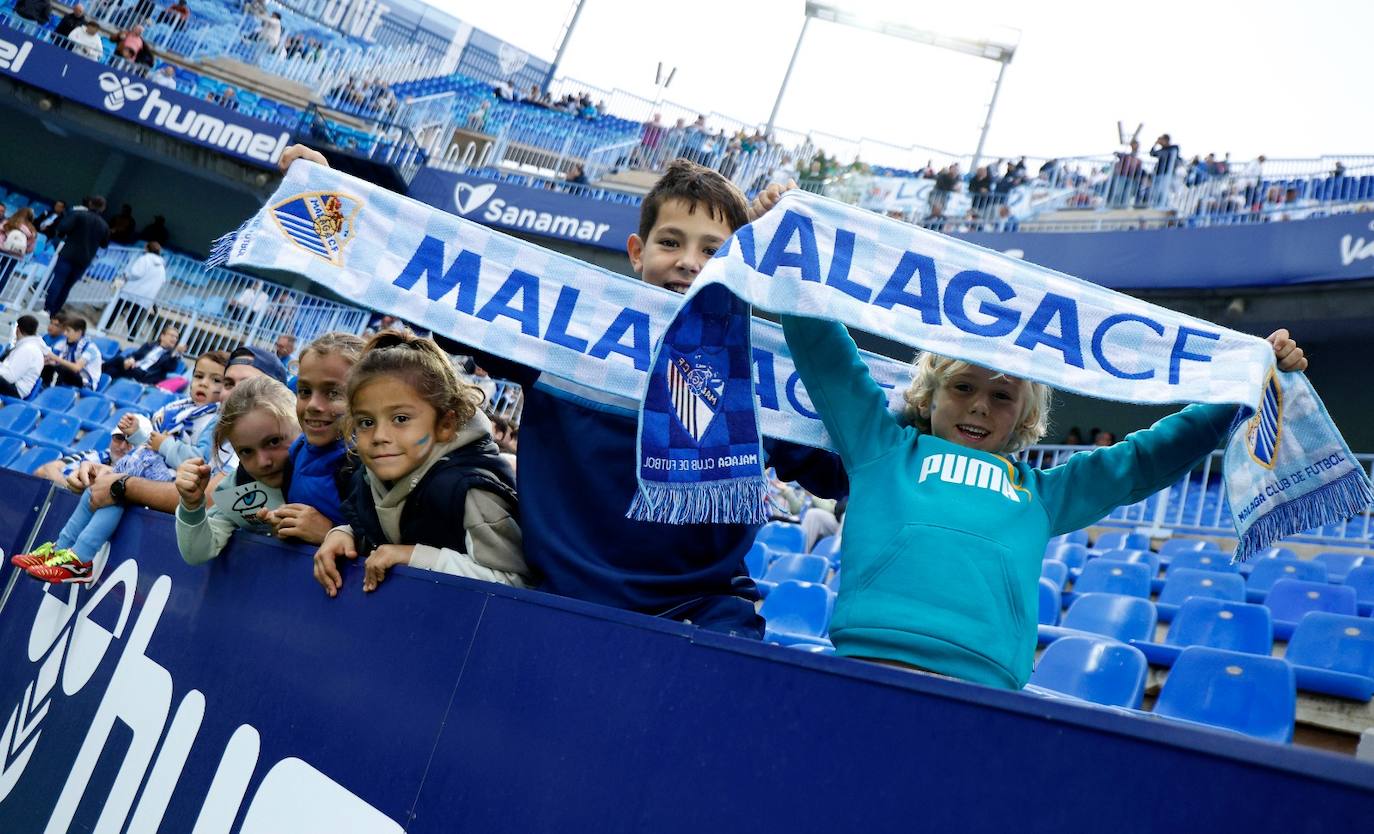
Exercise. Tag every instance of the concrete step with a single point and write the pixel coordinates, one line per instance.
(246, 75)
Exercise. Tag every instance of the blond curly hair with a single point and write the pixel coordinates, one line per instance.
(931, 370)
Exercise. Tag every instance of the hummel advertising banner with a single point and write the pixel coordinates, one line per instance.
(236, 698)
(535, 211)
(138, 100)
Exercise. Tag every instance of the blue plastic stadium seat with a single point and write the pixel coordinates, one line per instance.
(1269, 571)
(1140, 557)
(1183, 583)
(779, 535)
(91, 411)
(1244, 693)
(1362, 580)
(16, 420)
(59, 399)
(1175, 546)
(797, 612)
(1050, 602)
(10, 448)
(1121, 540)
(1275, 553)
(1290, 599)
(1071, 554)
(1101, 576)
(55, 430)
(33, 458)
(1076, 537)
(1211, 560)
(93, 441)
(1056, 571)
(829, 547)
(126, 392)
(1339, 563)
(1094, 669)
(1334, 654)
(756, 560)
(1119, 617)
(109, 348)
(799, 567)
(1220, 624)
(104, 384)
(154, 398)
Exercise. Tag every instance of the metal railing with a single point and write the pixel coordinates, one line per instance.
(1196, 504)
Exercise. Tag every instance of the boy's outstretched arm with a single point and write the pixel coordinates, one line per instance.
(1090, 485)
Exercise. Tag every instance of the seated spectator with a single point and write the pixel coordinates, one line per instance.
(57, 331)
(63, 470)
(86, 41)
(76, 362)
(176, 15)
(47, 222)
(227, 98)
(577, 175)
(165, 77)
(252, 300)
(123, 227)
(1005, 222)
(17, 234)
(286, 345)
(22, 361)
(151, 363)
(39, 11)
(71, 21)
(1103, 438)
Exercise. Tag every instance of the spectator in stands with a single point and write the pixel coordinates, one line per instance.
(63, 470)
(269, 34)
(1125, 181)
(46, 224)
(87, 41)
(258, 421)
(947, 182)
(129, 42)
(144, 60)
(1103, 438)
(505, 90)
(252, 300)
(39, 11)
(427, 455)
(577, 175)
(1005, 222)
(144, 278)
(165, 76)
(123, 227)
(1166, 155)
(477, 119)
(940, 613)
(17, 233)
(286, 345)
(176, 15)
(319, 477)
(1012, 176)
(1338, 171)
(151, 363)
(156, 231)
(980, 188)
(22, 361)
(227, 98)
(1074, 437)
(76, 362)
(57, 331)
(84, 233)
(71, 21)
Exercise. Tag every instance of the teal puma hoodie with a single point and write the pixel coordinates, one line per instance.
(942, 543)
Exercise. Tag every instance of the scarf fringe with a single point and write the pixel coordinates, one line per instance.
(224, 245)
(736, 501)
(1335, 502)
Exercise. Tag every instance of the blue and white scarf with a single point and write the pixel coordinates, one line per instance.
(1287, 467)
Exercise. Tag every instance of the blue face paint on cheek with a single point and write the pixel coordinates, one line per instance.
(422, 441)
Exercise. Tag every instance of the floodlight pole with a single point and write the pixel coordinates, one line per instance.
(987, 123)
(563, 43)
(787, 76)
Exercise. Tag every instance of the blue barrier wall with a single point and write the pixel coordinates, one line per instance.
(237, 697)
(1252, 255)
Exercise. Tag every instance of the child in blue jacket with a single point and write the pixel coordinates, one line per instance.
(945, 533)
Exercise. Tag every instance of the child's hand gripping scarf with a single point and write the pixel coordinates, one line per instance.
(1287, 469)
(512, 298)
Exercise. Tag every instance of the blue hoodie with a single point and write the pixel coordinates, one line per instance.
(942, 543)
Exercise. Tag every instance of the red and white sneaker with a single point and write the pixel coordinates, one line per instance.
(64, 568)
(40, 554)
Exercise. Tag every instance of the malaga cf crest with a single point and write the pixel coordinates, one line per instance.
(695, 389)
(1263, 432)
(320, 222)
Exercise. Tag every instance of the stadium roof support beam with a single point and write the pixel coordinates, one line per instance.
(978, 48)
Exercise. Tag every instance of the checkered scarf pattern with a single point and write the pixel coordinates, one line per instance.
(1287, 469)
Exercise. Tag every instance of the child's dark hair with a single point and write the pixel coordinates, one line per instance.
(420, 364)
(219, 357)
(76, 323)
(698, 186)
